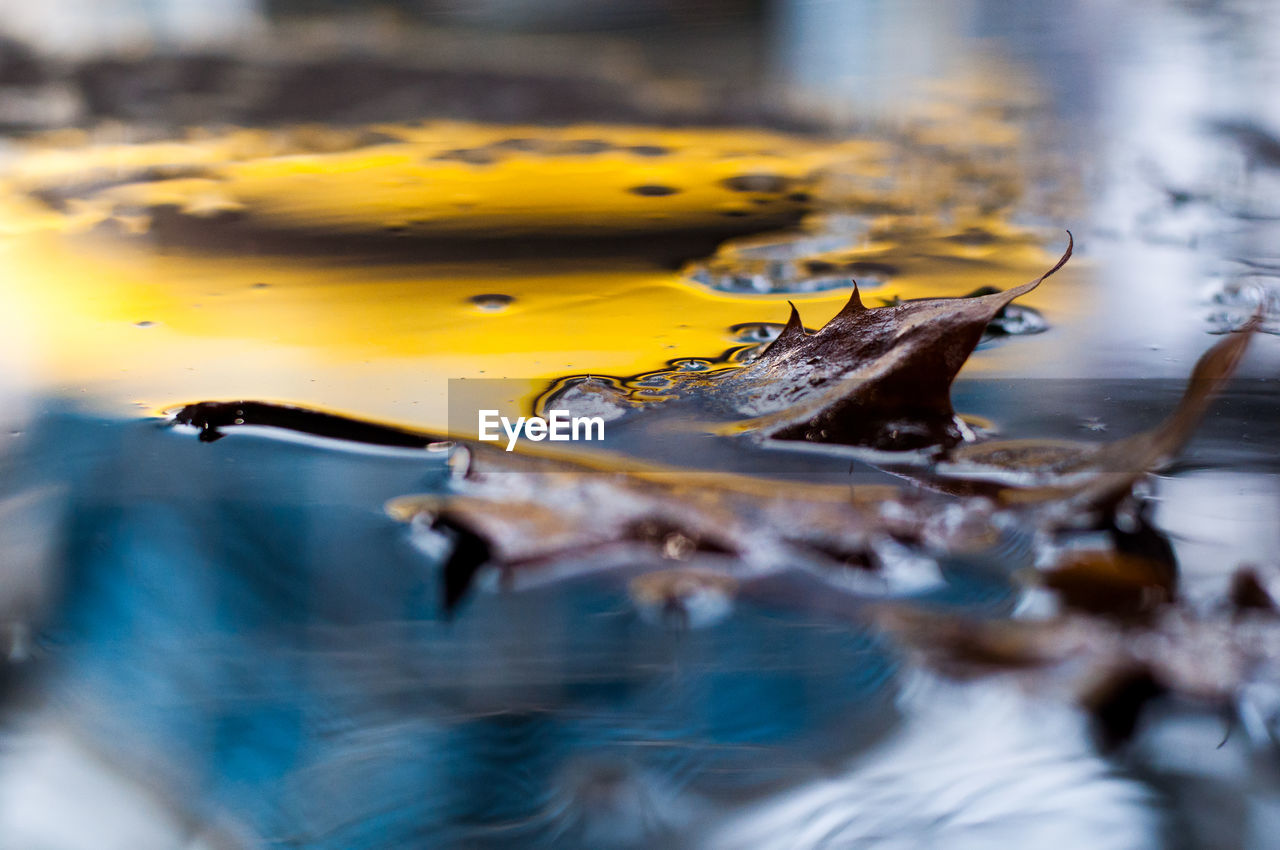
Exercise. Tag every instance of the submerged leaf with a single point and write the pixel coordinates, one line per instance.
(963, 647)
(554, 511)
(1248, 593)
(1070, 476)
(1110, 583)
(1111, 669)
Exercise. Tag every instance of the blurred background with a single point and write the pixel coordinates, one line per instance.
(358, 205)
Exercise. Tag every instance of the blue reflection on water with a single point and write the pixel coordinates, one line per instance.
(242, 624)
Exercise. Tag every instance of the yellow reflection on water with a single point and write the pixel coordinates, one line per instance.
(108, 312)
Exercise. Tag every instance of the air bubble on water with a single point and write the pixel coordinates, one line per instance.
(145, 323)
(794, 262)
(1240, 298)
(755, 332)
(869, 274)
(1226, 321)
(1017, 320)
(792, 247)
(744, 353)
(691, 365)
(775, 278)
(491, 302)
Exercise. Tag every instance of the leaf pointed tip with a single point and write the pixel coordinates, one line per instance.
(791, 333)
(1066, 255)
(794, 328)
(1010, 294)
(853, 306)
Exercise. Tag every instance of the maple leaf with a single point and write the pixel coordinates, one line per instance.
(872, 376)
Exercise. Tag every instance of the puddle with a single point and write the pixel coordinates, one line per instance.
(234, 634)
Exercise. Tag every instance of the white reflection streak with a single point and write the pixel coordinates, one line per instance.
(57, 794)
(867, 55)
(28, 523)
(975, 766)
(82, 28)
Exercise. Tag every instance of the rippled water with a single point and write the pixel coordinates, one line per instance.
(232, 643)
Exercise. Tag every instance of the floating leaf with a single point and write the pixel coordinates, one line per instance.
(1073, 475)
(872, 376)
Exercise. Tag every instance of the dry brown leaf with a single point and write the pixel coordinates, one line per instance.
(872, 376)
